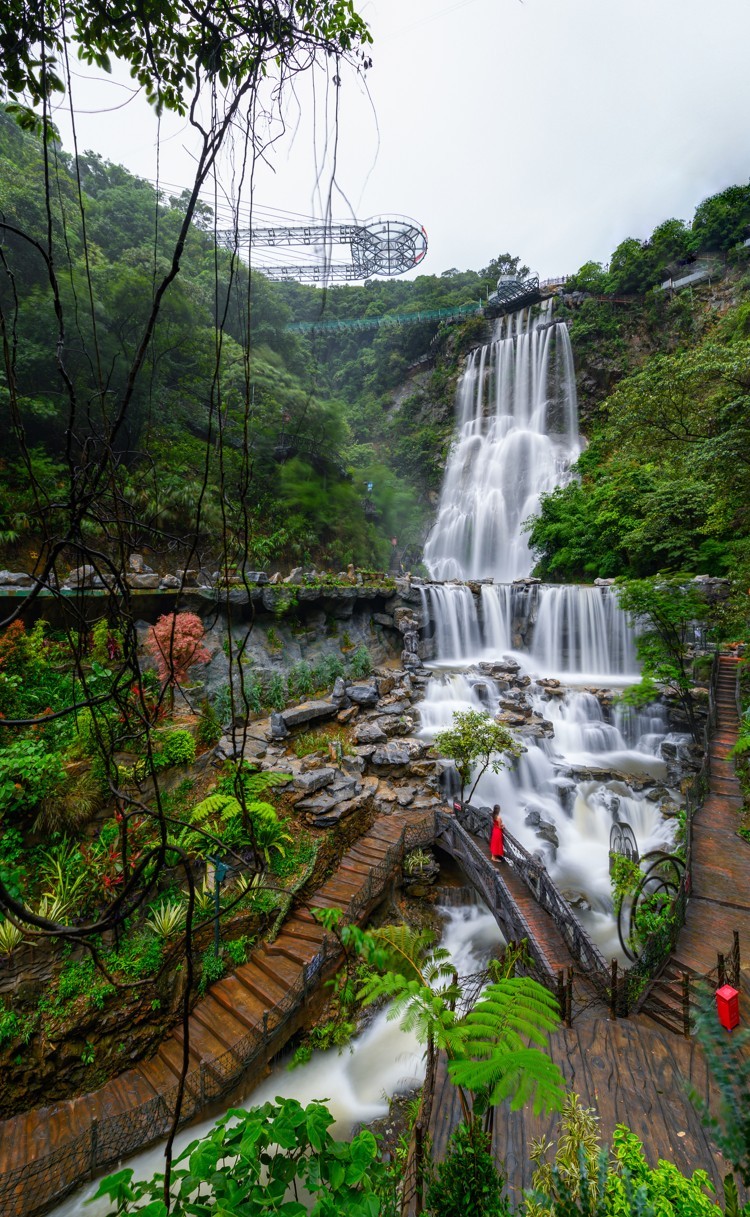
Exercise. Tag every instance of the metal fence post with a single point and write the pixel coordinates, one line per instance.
(736, 953)
(686, 1004)
(720, 970)
(265, 1026)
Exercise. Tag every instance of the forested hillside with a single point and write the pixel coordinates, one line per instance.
(664, 381)
(663, 377)
(322, 427)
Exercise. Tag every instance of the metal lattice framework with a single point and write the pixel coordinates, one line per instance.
(386, 245)
(513, 294)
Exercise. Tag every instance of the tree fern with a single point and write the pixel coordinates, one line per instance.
(411, 953)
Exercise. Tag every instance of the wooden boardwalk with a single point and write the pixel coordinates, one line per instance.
(631, 1072)
(720, 897)
(57, 1146)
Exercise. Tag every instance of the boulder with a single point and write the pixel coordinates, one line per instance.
(143, 582)
(9, 578)
(363, 695)
(188, 577)
(231, 746)
(306, 712)
(136, 564)
(346, 716)
(279, 729)
(398, 753)
(169, 582)
(314, 779)
(81, 576)
(295, 576)
(339, 690)
(369, 733)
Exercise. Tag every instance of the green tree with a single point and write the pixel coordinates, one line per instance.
(722, 220)
(476, 743)
(665, 611)
(494, 1049)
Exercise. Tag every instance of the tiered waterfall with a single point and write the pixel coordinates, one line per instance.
(588, 762)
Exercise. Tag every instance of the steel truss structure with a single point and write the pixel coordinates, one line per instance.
(386, 245)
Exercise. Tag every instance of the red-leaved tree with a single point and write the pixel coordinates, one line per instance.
(176, 643)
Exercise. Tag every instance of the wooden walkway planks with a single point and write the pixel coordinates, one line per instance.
(630, 1072)
(720, 897)
(231, 1010)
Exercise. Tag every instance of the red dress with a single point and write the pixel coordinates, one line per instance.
(496, 840)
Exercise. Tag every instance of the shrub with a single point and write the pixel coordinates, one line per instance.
(212, 969)
(236, 952)
(27, 774)
(360, 663)
(174, 748)
(326, 671)
(300, 681)
(276, 692)
(467, 1180)
(209, 725)
(176, 643)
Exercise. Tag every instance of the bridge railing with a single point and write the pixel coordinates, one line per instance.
(536, 877)
(489, 881)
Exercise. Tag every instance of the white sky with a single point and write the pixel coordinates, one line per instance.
(549, 128)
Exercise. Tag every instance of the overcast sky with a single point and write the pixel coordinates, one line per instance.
(549, 128)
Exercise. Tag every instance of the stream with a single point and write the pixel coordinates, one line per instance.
(355, 1084)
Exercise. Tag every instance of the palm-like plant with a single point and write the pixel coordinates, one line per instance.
(10, 938)
(166, 919)
(494, 1049)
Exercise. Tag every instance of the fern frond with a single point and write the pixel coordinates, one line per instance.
(404, 948)
(511, 1008)
(224, 805)
(256, 783)
(527, 1075)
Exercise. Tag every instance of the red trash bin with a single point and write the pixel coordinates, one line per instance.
(728, 1007)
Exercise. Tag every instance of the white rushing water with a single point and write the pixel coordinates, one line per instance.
(516, 439)
(356, 1085)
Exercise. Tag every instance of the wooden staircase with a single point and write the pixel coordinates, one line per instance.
(667, 999)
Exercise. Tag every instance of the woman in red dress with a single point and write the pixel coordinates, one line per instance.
(497, 851)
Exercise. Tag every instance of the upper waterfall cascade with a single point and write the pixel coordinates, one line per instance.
(516, 438)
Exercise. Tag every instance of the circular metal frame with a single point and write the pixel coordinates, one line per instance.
(662, 879)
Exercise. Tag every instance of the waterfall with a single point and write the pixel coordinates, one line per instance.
(582, 632)
(517, 436)
(589, 762)
(579, 633)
